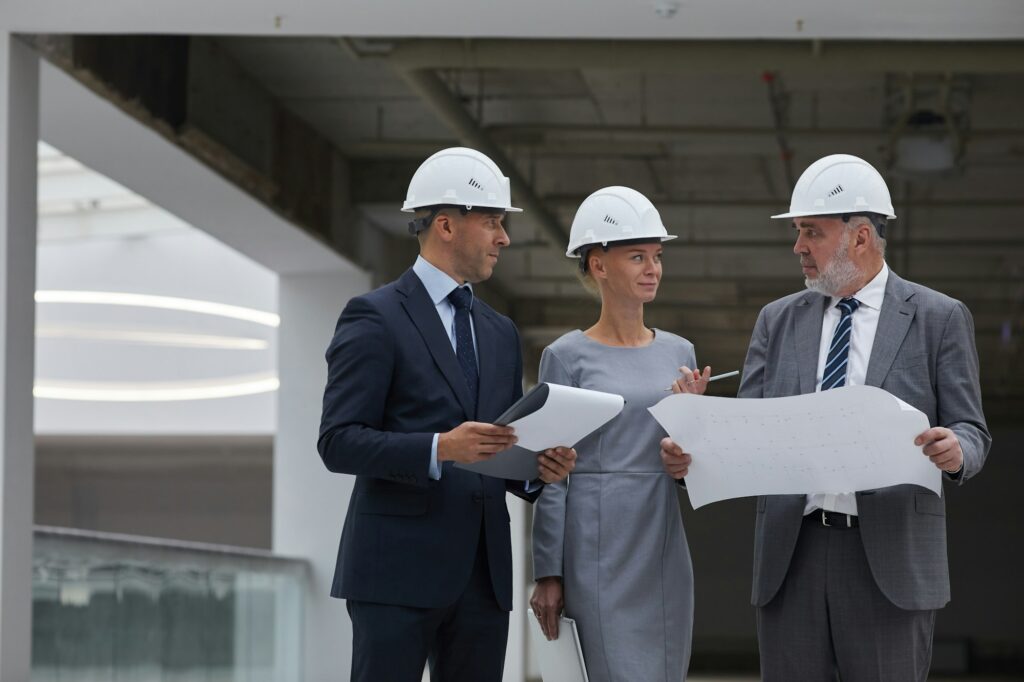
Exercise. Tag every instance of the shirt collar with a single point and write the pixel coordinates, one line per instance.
(436, 281)
(873, 292)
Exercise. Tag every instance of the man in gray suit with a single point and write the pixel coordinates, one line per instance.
(850, 583)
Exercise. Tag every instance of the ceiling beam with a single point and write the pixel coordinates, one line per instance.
(783, 245)
(715, 56)
(451, 111)
(539, 133)
(571, 201)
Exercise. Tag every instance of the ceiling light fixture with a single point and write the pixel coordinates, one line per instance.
(666, 9)
(161, 302)
(90, 391)
(153, 338)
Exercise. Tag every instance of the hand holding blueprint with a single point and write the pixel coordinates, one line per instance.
(841, 440)
(550, 415)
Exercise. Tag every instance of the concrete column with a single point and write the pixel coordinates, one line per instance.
(19, 131)
(515, 653)
(310, 502)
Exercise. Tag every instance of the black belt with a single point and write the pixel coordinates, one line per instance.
(829, 519)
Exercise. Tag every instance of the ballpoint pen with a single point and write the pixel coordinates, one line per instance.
(724, 375)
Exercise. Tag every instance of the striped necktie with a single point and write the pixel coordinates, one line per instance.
(839, 352)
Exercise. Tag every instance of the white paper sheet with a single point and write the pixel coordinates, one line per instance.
(842, 440)
(561, 660)
(567, 416)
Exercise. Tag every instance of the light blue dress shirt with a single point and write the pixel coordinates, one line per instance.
(438, 285)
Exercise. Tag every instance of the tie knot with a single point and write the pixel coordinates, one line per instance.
(461, 298)
(847, 306)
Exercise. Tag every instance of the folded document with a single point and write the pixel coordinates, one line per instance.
(548, 416)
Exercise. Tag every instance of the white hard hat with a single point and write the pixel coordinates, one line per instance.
(840, 184)
(459, 176)
(614, 214)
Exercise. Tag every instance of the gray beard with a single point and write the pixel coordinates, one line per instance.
(839, 275)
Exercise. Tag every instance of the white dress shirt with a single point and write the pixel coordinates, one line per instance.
(438, 285)
(862, 337)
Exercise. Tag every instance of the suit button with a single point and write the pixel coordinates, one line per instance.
(478, 497)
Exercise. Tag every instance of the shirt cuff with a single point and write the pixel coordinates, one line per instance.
(534, 485)
(434, 472)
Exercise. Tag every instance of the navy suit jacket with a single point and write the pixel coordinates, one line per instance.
(393, 381)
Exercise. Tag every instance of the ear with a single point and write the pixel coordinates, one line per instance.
(444, 227)
(595, 264)
(862, 238)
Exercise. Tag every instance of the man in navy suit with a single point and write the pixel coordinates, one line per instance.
(417, 370)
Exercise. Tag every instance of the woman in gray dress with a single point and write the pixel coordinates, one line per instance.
(608, 543)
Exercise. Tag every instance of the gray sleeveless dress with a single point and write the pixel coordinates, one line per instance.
(613, 530)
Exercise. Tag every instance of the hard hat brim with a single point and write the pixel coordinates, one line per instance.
(809, 214)
(575, 253)
(406, 208)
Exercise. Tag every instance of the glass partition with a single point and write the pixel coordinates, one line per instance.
(111, 607)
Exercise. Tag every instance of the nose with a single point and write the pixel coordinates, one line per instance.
(503, 238)
(799, 247)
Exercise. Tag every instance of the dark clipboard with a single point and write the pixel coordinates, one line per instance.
(531, 401)
(516, 463)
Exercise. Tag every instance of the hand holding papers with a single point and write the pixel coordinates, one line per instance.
(549, 415)
(841, 440)
(561, 660)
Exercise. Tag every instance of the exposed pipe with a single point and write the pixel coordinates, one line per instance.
(777, 102)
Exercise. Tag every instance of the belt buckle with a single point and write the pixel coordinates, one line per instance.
(824, 519)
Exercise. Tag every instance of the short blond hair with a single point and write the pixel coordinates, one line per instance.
(584, 276)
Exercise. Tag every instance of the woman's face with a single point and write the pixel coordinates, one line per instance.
(630, 272)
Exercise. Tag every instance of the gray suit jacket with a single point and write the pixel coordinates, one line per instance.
(923, 353)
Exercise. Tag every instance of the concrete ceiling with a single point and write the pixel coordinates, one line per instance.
(716, 149)
(328, 131)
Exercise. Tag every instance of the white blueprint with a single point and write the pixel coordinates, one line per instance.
(841, 440)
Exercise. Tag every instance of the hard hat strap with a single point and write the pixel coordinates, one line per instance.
(417, 225)
(877, 219)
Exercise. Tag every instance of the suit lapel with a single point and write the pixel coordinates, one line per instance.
(424, 316)
(807, 317)
(893, 323)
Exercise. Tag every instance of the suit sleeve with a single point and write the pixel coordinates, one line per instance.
(549, 511)
(752, 381)
(360, 368)
(958, 391)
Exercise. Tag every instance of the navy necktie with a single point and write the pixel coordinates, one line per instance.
(462, 299)
(839, 352)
